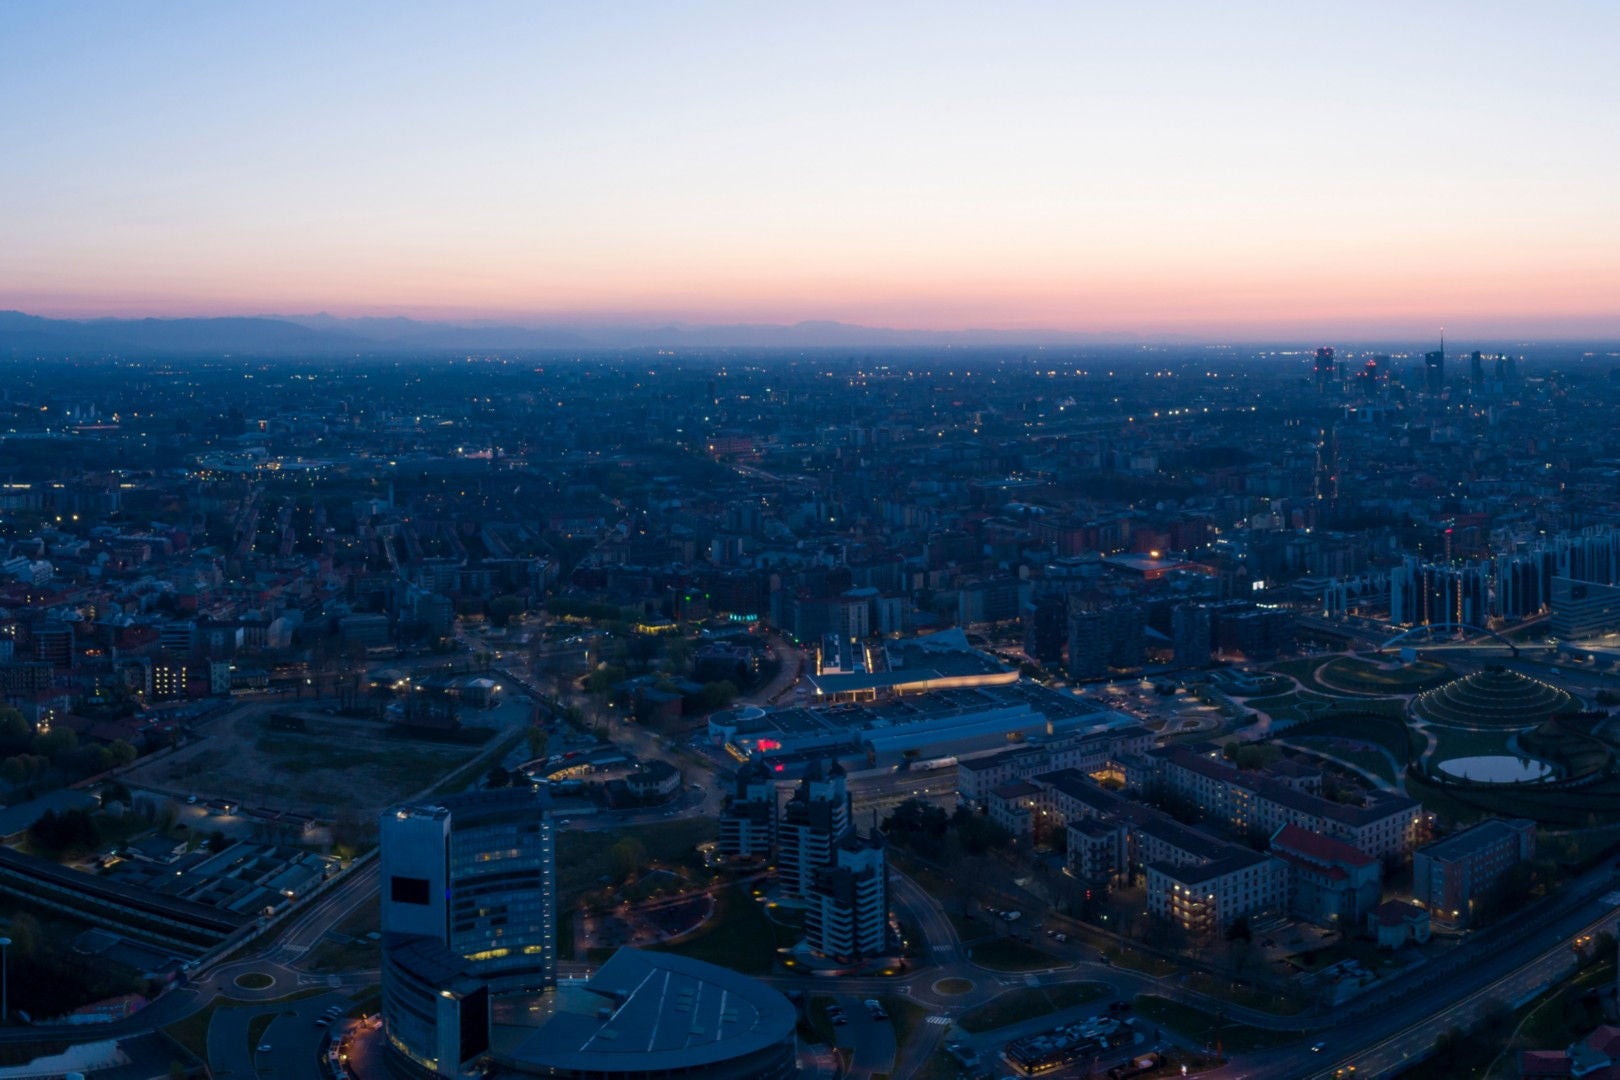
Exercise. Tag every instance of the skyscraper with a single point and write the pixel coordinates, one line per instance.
(468, 896)
(1326, 369)
(475, 872)
(848, 918)
(1190, 633)
(748, 821)
(812, 823)
(1434, 371)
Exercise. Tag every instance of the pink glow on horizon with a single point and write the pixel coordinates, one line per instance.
(1171, 167)
(1173, 299)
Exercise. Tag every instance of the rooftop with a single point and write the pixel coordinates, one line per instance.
(653, 1012)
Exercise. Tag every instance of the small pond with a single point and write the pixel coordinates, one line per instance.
(1497, 769)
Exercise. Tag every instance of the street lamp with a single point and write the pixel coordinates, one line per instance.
(5, 1006)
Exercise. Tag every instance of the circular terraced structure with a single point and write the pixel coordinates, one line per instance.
(1493, 698)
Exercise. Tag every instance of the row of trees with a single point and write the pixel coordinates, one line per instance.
(47, 759)
(922, 827)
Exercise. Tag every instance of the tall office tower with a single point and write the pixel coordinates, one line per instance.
(1325, 477)
(1405, 608)
(1325, 369)
(1424, 594)
(1190, 633)
(1375, 376)
(1088, 645)
(1476, 370)
(467, 907)
(1101, 638)
(1127, 642)
(810, 827)
(748, 822)
(1434, 371)
(475, 872)
(848, 917)
(1520, 589)
(1046, 618)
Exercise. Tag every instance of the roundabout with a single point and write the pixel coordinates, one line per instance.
(952, 986)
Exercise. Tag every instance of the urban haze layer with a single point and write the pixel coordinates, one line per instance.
(383, 709)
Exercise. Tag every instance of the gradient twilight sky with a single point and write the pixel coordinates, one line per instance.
(1199, 167)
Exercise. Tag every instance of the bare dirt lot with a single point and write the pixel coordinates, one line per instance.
(335, 764)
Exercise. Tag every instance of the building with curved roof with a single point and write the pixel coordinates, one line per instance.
(650, 1014)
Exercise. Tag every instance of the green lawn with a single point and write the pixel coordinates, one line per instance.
(939, 1066)
(1028, 1002)
(584, 859)
(739, 936)
(1009, 954)
(191, 1032)
(1297, 705)
(257, 1026)
(1365, 677)
(1137, 960)
(1302, 669)
(358, 952)
(1365, 725)
(1369, 761)
(906, 1016)
(1203, 1027)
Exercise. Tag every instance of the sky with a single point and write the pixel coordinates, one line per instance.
(1221, 169)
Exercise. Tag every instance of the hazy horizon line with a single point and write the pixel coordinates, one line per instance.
(1530, 329)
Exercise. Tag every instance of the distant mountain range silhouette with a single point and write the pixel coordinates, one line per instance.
(325, 335)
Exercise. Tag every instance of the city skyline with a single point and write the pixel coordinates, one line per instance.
(1159, 170)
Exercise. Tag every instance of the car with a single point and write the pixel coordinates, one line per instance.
(264, 1048)
(1060, 936)
(321, 1021)
(1318, 1047)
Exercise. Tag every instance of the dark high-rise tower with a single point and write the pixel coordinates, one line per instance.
(1325, 369)
(1434, 368)
(1476, 369)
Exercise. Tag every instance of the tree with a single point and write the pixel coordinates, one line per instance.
(56, 743)
(16, 734)
(717, 695)
(628, 856)
(538, 741)
(602, 681)
(503, 609)
(498, 777)
(919, 825)
(68, 831)
(976, 833)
